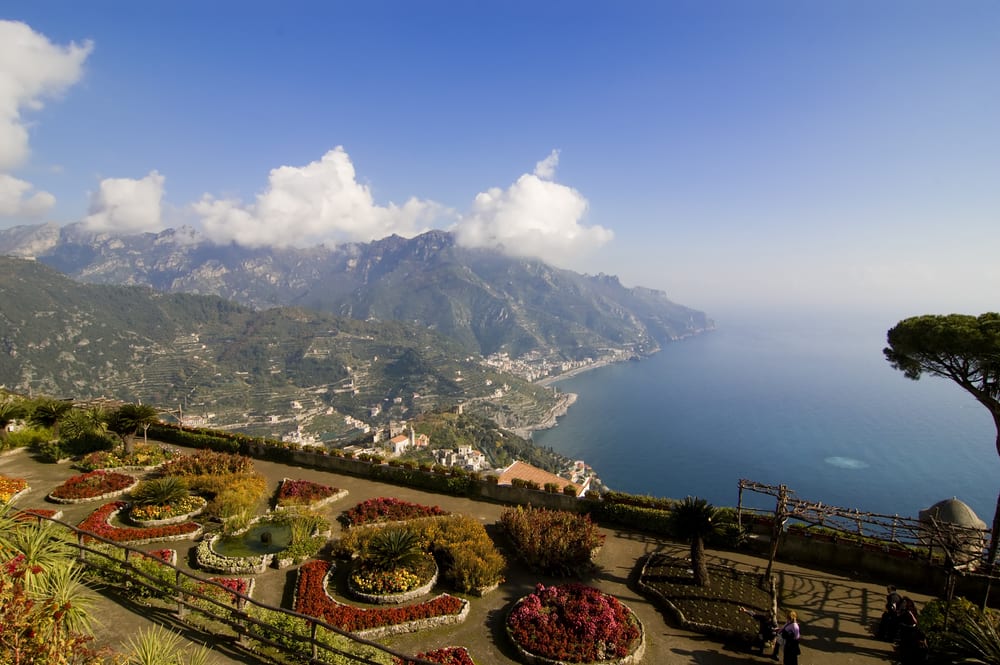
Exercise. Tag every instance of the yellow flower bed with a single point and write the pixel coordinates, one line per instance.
(11, 486)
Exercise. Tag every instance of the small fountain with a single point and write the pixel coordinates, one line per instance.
(261, 538)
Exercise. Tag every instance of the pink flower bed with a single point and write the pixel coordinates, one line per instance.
(311, 598)
(302, 493)
(231, 585)
(98, 524)
(573, 623)
(166, 556)
(445, 656)
(388, 509)
(92, 485)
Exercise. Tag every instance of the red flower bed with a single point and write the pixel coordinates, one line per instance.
(388, 509)
(241, 585)
(97, 524)
(302, 492)
(445, 656)
(573, 623)
(32, 514)
(92, 485)
(166, 556)
(311, 598)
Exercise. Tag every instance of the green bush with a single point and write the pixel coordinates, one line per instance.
(29, 437)
(555, 542)
(651, 520)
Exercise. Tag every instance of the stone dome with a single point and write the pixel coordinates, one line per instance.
(952, 511)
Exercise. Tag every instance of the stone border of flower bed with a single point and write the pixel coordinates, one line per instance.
(18, 495)
(393, 629)
(209, 559)
(122, 505)
(102, 497)
(683, 621)
(529, 658)
(393, 598)
(176, 519)
(336, 496)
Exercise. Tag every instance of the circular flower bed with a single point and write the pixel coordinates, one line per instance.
(93, 486)
(394, 586)
(574, 623)
(144, 457)
(171, 513)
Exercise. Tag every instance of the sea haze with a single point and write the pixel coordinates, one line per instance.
(804, 400)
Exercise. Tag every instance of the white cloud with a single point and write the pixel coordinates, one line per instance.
(31, 69)
(15, 202)
(125, 205)
(533, 217)
(321, 202)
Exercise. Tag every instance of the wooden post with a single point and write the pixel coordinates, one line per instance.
(181, 608)
(779, 522)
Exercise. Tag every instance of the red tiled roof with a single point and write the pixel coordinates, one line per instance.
(525, 471)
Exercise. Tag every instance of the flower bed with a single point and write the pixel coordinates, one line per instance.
(230, 587)
(574, 623)
(164, 555)
(10, 488)
(99, 524)
(145, 457)
(171, 513)
(305, 494)
(445, 656)
(312, 598)
(93, 486)
(392, 587)
(387, 509)
(34, 514)
(208, 559)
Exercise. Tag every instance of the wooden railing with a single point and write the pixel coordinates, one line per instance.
(115, 561)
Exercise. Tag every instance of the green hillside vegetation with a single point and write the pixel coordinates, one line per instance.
(232, 366)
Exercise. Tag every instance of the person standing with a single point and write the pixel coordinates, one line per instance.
(788, 638)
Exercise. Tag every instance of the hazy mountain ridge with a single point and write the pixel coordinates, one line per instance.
(485, 300)
(265, 371)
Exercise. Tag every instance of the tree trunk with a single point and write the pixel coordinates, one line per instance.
(129, 440)
(991, 555)
(698, 563)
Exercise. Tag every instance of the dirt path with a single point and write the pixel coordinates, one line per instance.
(836, 612)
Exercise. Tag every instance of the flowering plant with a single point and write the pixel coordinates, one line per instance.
(144, 455)
(165, 555)
(375, 581)
(185, 506)
(98, 523)
(11, 486)
(93, 485)
(225, 588)
(311, 598)
(573, 623)
(445, 656)
(302, 492)
(208, 463)
(388, 509)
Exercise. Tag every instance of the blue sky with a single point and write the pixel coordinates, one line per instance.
(730, 153)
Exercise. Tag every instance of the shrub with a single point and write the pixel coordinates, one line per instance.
(160, 491)
(555, 542)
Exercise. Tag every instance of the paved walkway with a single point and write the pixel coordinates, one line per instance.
(836, 611)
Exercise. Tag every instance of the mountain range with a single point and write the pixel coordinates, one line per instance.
(486, 301)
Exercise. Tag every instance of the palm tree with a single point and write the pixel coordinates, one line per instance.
(49, 413)
(128, 419)
(10, 411)
(693, 521)
(84, 423)
(160, 491)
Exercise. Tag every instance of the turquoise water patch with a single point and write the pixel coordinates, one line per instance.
(846, 463)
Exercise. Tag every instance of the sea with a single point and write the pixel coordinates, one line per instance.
(804, 399)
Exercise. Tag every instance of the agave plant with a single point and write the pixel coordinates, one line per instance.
(61, 586)
(44, 547)
(394, 548)
(160, 491)
(160, 646)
